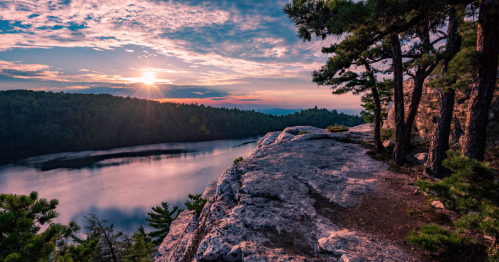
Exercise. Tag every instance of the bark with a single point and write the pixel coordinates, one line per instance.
(109, 242)
(413, 107)
(443, 120)
(419, 77)
(440, 136)
(378, 145)
(482, 90)
(398, 95)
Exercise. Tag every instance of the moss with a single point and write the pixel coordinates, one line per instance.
(337, 128)
(237, 160)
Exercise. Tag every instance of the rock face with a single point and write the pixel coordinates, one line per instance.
(423, 124)
(263, 208)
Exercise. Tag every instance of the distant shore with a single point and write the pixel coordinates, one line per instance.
(9, 156)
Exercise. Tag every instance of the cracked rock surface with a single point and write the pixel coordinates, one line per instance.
(262, 209)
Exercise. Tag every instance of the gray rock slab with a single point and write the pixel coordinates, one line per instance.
(263, 207)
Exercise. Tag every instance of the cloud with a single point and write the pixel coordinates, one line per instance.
(25, 71)
(245, 38)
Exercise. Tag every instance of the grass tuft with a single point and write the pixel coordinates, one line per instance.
(337, 128)
(237, 160)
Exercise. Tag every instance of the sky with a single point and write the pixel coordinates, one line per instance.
(243, 54)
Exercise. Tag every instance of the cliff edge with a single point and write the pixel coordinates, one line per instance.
(281, 203)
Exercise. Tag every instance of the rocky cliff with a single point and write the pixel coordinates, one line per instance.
(423, 124)
(281, 204)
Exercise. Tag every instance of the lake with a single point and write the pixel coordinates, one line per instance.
(121, 185)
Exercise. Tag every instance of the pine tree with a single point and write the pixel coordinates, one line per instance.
(482, 90)
(456, 73)
(140, 247)
(111, 242)
(364, 24)
(385, 91)
(161, 219)
(21, 238)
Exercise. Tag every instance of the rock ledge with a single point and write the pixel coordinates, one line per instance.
(263, 208)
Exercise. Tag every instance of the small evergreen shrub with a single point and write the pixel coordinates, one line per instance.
(433, 238)
(304, 133)
(337, 128)
(471, 184)
(387, 134)
(197, 203)
(420, 143)
(471, 187)
(237, 160)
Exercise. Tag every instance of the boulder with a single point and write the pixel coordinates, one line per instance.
(438, 204)
(389, 144)
(422, 157)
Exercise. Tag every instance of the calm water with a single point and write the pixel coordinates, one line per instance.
(121, 185)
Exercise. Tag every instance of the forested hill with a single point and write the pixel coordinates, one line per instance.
(30, 119)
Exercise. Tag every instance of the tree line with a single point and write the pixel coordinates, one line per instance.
(458, 42)
(31, 120)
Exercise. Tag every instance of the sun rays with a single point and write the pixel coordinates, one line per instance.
(148, 78)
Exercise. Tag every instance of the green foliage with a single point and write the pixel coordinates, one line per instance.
(197, 203)
(411, 211)
(471, 187)
(161, 219)
(337, 128)
(140, 248)
(21, 218)
(302, 133)
(433, 238)
(237, 160)
(462, 67)
(387, 134)
(385, 93)
(471, 184)
(420, 143)
(112, 243)
(30, 119)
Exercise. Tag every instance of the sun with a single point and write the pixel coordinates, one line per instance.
(148, 78)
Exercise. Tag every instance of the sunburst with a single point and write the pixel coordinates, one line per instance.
(148, 78)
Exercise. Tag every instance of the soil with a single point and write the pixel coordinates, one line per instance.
(393, 211)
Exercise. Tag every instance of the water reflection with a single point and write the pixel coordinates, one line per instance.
(121, 185)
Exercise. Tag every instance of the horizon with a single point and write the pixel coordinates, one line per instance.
(243, 55)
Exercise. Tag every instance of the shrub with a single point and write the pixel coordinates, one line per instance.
(387, 134)
(337, 128)
(471, 187)
(197, 204)
(304, 133)
(420, 143)
(433, 238)
(471, 184)
(237, 160)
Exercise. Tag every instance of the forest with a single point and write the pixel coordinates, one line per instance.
(31, 120)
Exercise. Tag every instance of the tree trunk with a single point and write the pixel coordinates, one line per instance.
(482, 90)
(422, 72)
(398, 95)
(443, 120)
(440, 136)
(413, 108)
(378, 146)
